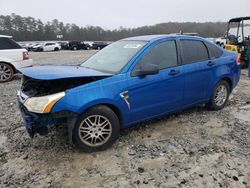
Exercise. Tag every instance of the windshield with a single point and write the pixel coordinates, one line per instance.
(246, 31)
(114, 57)
(233, 31)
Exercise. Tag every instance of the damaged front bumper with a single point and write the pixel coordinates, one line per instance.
(41, 123)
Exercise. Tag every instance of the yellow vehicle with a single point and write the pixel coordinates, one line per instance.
(238, 38)
(232, 48)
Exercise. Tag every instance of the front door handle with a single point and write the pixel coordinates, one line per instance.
(210, 63)
(174, 72)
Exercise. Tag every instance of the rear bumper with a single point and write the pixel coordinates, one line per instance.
(22, 64)
(41, 123)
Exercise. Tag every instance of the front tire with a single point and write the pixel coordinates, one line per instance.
(6, 72)
(96, 129)
(220, 96)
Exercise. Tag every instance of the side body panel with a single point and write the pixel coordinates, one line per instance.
(15, 57)
(106, 91)
(162, 93)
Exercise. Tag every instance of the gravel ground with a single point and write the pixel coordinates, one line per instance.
(192, 148)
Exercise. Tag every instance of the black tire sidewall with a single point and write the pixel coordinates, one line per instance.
(212, 104)
(97, 110)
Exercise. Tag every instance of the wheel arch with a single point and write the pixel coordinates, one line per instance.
(229, 81)
(12, 66)
(72, 121)
(111, 106)
(213, 85)
(116, 110)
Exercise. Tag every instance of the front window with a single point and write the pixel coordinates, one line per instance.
(164, 55)
(114, 57)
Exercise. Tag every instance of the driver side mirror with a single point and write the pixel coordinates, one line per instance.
(146, 69)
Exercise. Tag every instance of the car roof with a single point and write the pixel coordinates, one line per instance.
(151, 38)
(5, 36)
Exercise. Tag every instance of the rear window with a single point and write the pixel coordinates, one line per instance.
(7, 43)
(214, 51)
(193, 51)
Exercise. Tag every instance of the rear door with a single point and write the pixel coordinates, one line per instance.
(48, 47)
(52, 46)
(197, 69)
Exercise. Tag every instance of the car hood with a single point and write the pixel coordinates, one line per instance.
(59, 72)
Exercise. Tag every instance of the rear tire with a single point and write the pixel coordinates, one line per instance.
(96, 129)
(6, 72)
(56, 49)
(220, 96)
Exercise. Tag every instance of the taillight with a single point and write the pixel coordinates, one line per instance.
(238, 60)
(25, 56)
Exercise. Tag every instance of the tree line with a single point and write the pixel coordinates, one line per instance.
(31, 29)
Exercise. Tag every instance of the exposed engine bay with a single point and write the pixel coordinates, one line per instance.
(36, 88)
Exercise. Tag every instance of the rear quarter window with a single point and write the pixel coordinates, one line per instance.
(7, 43)
(214, 51)
(193, 51)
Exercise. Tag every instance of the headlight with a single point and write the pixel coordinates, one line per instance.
(42, 104)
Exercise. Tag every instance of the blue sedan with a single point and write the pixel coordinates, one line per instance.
(129, 81)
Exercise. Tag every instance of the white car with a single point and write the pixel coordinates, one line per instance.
(12, 57)
(46, 47)
(221, 41)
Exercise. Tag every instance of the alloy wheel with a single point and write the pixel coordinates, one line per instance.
(5, 72)
(220, 95)
(95, 130)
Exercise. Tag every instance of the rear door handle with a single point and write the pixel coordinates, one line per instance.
(174, 72)
(210, 63)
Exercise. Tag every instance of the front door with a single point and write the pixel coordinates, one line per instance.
(154, 95)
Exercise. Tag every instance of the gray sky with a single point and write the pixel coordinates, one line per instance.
(111, 14)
